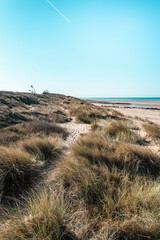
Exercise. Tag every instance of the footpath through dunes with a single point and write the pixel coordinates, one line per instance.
(75, 130)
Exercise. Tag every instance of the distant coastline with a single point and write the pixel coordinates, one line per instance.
(142, 107)
(153, 103)
(147, 108)
(123, 98)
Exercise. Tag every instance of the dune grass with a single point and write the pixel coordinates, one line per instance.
(8, 138)
(18, 173)
(39, 128)
(22, 166)
(90, 113)
(152, 130)
(106, 188)
(94, 148)
(134, 159)
(137, 160)
(120, 131)
(45, 149)
(83, 117)
(116, 113)
(94, 126)
(44, 127)
(116, 206)
(44, 219)
(139, 119)
(35, 128)
(59, 116)
(128, 209)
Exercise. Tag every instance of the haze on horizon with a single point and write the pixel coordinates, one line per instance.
(110, 49)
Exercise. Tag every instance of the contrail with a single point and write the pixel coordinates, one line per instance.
(58, 11)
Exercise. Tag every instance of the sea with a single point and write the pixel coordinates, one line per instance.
(145, 101)
(123, 99)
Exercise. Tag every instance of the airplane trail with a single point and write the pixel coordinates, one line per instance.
(59, 11)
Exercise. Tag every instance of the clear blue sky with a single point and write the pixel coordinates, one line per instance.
(110, 49)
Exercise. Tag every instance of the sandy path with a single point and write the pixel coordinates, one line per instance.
(75, 130)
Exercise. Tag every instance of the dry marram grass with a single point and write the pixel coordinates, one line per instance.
(152, 130)
(106, 188)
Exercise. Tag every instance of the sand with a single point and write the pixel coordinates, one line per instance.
(152, 113)
(75, 131)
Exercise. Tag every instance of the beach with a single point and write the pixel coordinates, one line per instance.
(147, 109)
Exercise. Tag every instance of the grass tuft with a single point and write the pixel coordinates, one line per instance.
(94, 126)
(8, 138)
(137, 160)
(94, 148)
(44, 220)
(152, 130)
(45, 149)
(44, 127)
(134, 159)
(120, 132)
(18, 173)
(128, 209)
(89, 114)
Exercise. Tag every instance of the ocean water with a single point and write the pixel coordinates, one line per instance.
(124, 99)
(141, 102)
(138, 106)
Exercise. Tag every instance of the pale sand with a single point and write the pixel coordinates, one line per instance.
(123, 107)
(75, 131)
(151, 115)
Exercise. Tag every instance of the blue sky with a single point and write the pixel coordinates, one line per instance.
(110, 49)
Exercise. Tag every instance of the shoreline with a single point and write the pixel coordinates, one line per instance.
(148, 110)
(150, 104)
